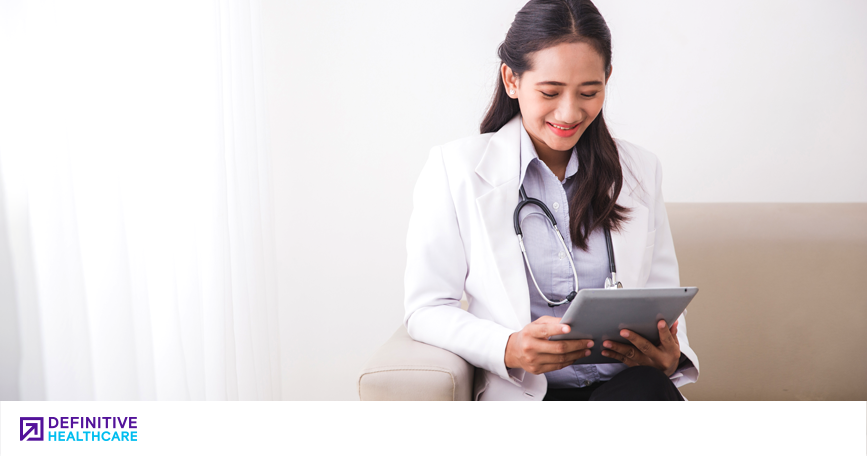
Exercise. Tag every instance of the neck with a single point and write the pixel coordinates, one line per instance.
(556, 160)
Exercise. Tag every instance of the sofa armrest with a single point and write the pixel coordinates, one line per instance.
(406, 370)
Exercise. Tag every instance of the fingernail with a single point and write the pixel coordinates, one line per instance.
(565, 329)
(606, 344)
(587, 353)
(624, 333)
(590, 344)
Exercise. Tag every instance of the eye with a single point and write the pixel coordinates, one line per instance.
(589, 95)
(548, 95)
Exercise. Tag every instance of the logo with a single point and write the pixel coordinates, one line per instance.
(79, 429)
(32, 428)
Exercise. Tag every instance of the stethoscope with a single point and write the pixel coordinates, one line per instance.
(610, 282)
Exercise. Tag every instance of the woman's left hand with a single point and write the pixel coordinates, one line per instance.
(664, 356)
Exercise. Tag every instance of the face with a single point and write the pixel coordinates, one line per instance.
(560, 96)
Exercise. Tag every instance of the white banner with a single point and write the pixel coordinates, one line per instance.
(411, 428)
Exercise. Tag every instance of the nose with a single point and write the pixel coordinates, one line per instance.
(569, 111)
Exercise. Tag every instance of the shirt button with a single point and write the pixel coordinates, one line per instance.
(562, 254)
(556, 206)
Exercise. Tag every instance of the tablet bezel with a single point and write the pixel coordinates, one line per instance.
(599, 314)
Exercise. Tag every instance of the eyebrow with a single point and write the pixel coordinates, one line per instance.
(555, 83)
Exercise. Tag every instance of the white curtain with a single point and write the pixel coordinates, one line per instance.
(136, 219)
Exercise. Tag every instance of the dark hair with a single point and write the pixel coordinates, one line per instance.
(539, 25)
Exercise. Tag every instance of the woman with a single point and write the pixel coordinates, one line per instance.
(544, 134)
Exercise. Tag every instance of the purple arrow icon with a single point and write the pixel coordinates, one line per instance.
(34, 425)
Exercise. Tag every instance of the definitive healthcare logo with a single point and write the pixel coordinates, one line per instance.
(80, 429)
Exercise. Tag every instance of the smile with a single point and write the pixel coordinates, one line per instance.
(563, 131)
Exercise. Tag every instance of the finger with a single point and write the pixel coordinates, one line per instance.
(550, 326)
(625, 350)
(557, 365)
(559, 347)
(565, 359)
(619, 357)
(547, 319)
(674, 332)
(640, 343)
(665, 337)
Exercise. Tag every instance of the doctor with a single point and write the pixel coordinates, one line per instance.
(544, 134)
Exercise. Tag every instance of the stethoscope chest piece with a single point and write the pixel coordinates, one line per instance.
(610, 282)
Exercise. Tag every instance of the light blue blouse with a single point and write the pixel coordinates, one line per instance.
(550, 263)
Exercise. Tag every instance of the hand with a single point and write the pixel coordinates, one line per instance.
(531, 350)
(664, 356)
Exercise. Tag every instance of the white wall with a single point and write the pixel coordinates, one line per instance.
(745, 100)
(741, 100)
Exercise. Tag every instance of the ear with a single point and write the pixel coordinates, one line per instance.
(610, 72)
(510, 81)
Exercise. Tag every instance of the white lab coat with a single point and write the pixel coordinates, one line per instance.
(461, 238)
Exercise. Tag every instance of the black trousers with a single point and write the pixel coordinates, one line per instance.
(639, 383)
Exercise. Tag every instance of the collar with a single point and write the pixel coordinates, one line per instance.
(529, 154)
(501, 162)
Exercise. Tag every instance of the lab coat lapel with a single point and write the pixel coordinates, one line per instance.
(630, 241)
(500, 167)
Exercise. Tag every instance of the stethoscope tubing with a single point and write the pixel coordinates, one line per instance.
(610, 282)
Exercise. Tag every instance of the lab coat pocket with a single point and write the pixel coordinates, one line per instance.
(647, 260)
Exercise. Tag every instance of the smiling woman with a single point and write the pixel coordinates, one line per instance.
(557, 84)
(544, 137)
(579, 99)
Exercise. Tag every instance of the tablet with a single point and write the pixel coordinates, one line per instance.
(599, 314)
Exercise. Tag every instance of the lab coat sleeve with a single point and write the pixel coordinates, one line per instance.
(664, 273)
(436, 271)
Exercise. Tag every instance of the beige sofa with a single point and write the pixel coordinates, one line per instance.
(781, 313)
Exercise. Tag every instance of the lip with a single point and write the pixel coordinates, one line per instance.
(563, 133)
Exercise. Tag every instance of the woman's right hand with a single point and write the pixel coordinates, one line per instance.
(531, 350)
